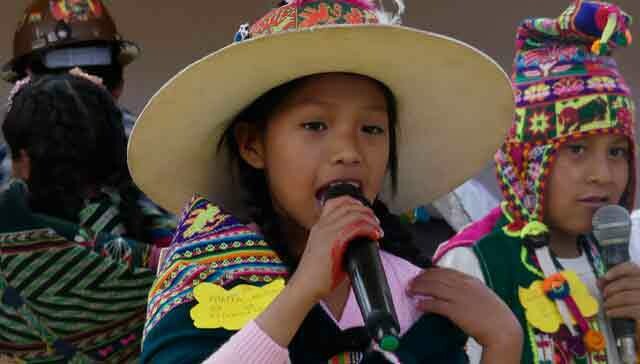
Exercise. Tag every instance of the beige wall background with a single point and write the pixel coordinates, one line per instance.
(172, 34)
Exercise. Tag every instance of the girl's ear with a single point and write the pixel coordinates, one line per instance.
(21, 165)
(250, 144)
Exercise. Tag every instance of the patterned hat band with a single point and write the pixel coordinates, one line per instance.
(305, 14)
(544, 122)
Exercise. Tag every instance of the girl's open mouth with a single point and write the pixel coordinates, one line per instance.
(321, 195)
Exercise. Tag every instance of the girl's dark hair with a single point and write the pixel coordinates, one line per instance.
(398, 240)
(72, 131)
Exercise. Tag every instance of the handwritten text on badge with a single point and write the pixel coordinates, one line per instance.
(231, 309)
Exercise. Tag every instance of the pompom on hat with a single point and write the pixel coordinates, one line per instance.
(567, 86)
(454, 102)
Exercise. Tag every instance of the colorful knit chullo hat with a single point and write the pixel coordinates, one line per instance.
(567, 86)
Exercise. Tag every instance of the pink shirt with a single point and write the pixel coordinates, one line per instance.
(264, 350)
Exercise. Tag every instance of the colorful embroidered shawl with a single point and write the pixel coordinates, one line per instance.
(214, 247)
(69, 294)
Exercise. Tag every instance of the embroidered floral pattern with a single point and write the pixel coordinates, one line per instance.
(311, 14)
(569, 86)
(536, 93)
(355, 16)
(314, 16)
(601, 83)
(539, 122)
(277, 20)
(550, 55)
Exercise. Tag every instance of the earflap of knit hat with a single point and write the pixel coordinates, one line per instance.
(523, 170)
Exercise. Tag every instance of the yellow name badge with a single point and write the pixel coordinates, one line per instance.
(231, 309)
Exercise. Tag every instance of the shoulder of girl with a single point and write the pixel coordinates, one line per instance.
(463, 259)
(469, 236)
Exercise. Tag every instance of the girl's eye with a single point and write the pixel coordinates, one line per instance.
(619, 152)
(576, 148)
(373, 129)
(315, 126)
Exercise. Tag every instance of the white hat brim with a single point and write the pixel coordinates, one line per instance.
(454, 103)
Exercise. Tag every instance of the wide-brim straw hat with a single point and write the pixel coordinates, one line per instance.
(454, 103)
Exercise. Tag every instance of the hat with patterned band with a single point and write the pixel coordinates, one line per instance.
(454, 102)
(567, 87)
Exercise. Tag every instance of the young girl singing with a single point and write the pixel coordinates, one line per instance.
(313, 94)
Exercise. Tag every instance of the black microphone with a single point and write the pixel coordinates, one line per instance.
(369, 282)
(612, 228)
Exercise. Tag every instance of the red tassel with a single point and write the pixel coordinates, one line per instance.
(602, 15)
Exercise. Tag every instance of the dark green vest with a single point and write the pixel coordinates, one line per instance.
(500, 258)
(507, 266)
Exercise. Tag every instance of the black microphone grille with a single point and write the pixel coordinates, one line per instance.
(611, 225)
(344, 189)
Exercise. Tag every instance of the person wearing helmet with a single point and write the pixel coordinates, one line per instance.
(55, 36)
(79, 240)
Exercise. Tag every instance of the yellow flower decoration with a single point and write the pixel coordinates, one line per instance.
(541, 312)
(231, 309)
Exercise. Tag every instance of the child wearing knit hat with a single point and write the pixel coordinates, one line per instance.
(569, 152)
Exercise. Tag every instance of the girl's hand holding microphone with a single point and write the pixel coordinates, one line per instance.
(321, 267)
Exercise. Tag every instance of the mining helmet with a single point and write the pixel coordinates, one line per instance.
(67, 33)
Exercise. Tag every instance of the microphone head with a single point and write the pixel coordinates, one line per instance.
(344, 189)
(611, 225)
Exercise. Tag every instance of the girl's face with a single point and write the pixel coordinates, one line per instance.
(333, 127)
(587, 174)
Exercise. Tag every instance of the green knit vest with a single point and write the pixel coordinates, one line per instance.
(507, 266)
(500, 258)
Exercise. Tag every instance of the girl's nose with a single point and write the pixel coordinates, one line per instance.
(346, 151)
(601, 171)
(350, 156)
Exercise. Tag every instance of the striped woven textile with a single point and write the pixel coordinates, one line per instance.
(209, 246)
(64, 298)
